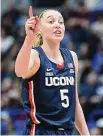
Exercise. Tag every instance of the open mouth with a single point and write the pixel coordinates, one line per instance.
(58, 32)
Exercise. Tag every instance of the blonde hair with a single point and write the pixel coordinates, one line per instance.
(39, 39)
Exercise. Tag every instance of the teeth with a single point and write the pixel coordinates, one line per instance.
(57, 32)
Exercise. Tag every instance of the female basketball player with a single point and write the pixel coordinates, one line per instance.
(49, 74)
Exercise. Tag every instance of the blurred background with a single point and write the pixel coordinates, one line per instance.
(84, 35)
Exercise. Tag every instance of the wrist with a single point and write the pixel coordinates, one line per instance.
(29, 40)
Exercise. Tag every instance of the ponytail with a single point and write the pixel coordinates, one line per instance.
(38, 41)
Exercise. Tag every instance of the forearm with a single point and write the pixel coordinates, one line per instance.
(22, 61)
(80, 123)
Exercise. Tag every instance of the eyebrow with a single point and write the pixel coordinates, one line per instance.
(52, 16)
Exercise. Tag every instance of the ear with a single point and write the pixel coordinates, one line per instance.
(37, 30)
(37, 24)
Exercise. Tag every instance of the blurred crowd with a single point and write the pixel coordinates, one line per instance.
(84, 35)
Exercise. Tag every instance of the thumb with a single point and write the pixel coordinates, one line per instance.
(37, 20)
(37, 24)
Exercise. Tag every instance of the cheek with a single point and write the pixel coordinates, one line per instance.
(63, 28)
(47, 31)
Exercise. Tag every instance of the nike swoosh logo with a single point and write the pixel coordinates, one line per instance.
(48, 69)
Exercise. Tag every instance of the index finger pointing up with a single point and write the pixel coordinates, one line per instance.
(30, 11)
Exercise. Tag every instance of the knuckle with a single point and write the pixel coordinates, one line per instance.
(32, 18)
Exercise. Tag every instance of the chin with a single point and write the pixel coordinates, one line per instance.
(57, 38)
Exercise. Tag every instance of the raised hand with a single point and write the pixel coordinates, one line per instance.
(32, 24)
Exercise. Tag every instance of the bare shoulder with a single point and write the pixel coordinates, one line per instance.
(34, 64)
(75, 59)
(74, 54)
(34, 58)
(34, 53)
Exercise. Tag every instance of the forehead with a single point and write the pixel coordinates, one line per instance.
(52, 13)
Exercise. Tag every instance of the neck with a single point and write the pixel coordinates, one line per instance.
(51, 48)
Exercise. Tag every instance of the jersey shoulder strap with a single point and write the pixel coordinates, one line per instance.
(68, 54)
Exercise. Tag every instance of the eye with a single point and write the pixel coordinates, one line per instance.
(61, 22)
(51, 21)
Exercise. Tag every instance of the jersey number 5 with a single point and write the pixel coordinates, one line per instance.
(64, 97)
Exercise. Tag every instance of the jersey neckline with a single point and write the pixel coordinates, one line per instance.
(58, 66)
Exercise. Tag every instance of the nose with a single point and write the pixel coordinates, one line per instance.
(57, 25)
